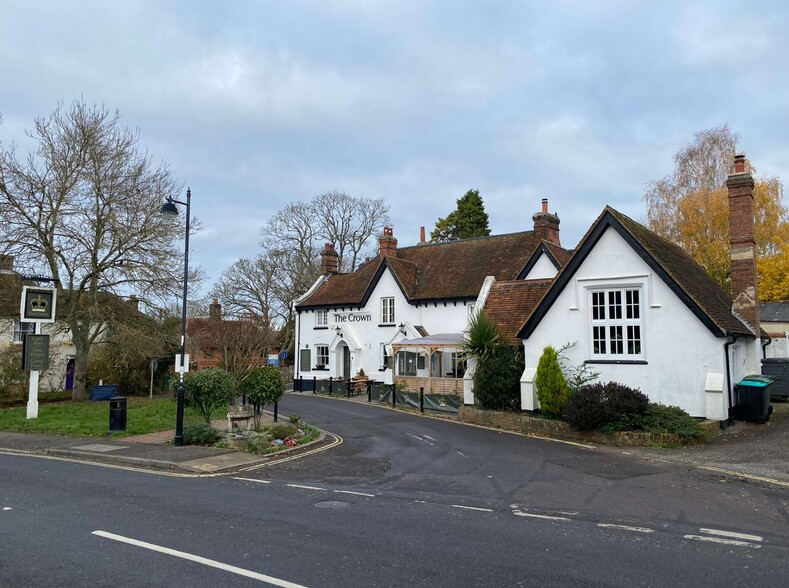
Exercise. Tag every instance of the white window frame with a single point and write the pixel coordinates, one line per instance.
(322, 318)
(20, 328)
(616, 322)
(386, 359)
(322, 355)
(388, 310)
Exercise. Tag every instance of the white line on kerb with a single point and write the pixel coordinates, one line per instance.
(471, 507)
(355, 493)
(626, 528)
(732, 534)
(723, 541)
(518, 513)
(253, 480)
(201, 560)
(304, 487)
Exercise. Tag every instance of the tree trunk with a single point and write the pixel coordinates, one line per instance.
(81, 345)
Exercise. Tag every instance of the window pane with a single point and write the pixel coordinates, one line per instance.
(633, 310)
(634, 339)
(598, 306)
(598, 335)
(617, 344)
(615, 304)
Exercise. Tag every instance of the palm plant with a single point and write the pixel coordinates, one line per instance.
(483, 336)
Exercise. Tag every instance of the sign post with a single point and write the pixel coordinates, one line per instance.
(37, 307)
(154, 366)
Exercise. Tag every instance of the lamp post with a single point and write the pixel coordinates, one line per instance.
(169, 208)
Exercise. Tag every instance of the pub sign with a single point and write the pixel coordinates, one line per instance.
(38, 304)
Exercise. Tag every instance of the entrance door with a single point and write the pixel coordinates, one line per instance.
(70, 375)
(346, 362)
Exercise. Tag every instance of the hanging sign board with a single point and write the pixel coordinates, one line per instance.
(38, 304)
(35, 352)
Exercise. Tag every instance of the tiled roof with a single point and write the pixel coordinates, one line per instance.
(443, 271)
(510, 302)
(689, 281)
(774, 312)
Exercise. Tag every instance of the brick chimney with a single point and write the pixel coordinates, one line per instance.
(744, 279)
(215, 311)
(330, 261)
(422, 240)
(546, 224)
(387, 244)
(133, 302)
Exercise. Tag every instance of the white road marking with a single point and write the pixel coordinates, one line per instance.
(461, 453)
(253, 480)
(305, 487)
(420, 438)
(6, 508)
(471, 507)
(518, 513)
(355, 493)
(429, 437)
(201, 560)
(732, 534)
(626, 528)
(723, 541)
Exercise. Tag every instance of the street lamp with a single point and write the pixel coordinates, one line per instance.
(169, 208)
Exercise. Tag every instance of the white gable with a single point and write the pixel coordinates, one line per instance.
(543, 268)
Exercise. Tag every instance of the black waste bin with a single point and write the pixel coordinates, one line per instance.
(117, 414)
(753, 399)
(778, 369)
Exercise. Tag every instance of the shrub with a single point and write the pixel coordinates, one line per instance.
(659, 419)
(201, 434)
(264, 386)
(282, 431)
(207, 390)
(552, 390)
(497, 379)
(596, 405)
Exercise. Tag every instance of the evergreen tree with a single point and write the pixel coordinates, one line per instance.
(552, 390)
(468, 220)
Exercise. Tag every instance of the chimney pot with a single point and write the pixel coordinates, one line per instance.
(739, 164)
(421, 234)
(544, 205)
(546, 224)
(387, 244)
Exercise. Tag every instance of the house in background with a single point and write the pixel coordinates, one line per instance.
(640, 311)
(413, 301)
(60, 375)
(775, 321)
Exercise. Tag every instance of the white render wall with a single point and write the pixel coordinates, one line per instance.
(679, 350)
(544, 268)
(364, 337)
(61, 349)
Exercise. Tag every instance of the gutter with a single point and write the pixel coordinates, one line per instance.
(764, 347)
(728, 375)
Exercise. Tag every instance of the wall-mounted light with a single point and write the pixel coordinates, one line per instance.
(401, 326)
(338, 330)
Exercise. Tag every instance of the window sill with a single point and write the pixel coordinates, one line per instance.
(316, 369)
(320, 328)
(617, 361)
(387, 325)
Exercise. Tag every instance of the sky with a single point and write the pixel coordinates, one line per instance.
(256, 104)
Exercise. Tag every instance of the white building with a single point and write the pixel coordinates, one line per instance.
(349, 322)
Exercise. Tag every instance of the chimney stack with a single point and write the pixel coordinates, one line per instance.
(133, 302)
(387, 244)
(422, 240)
(744, 287)
(215, 310)
(546, 225)
(330, 261)
(7, 262)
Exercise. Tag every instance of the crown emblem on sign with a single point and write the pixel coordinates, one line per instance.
(38, 304)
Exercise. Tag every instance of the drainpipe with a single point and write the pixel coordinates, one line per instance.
(764, 347)
(728, 374)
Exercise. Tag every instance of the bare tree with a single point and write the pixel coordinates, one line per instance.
(84, 207)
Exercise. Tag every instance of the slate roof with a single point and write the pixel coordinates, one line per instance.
(442, 271)
(509, 302)
(774, 312)
(687, 279)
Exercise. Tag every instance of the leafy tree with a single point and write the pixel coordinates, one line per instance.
(468, 220)
(690, 208)
(499, 366)
(83, 207)
(208, 390)
(263, 386)
(552, 390)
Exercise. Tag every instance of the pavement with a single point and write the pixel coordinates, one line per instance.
(756, 452)
(154, 451)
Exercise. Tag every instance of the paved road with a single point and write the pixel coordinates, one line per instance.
(390, 507)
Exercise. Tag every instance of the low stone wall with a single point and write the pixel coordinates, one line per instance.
(531, 425)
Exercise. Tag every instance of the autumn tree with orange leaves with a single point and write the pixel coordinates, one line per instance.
(690, 207)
